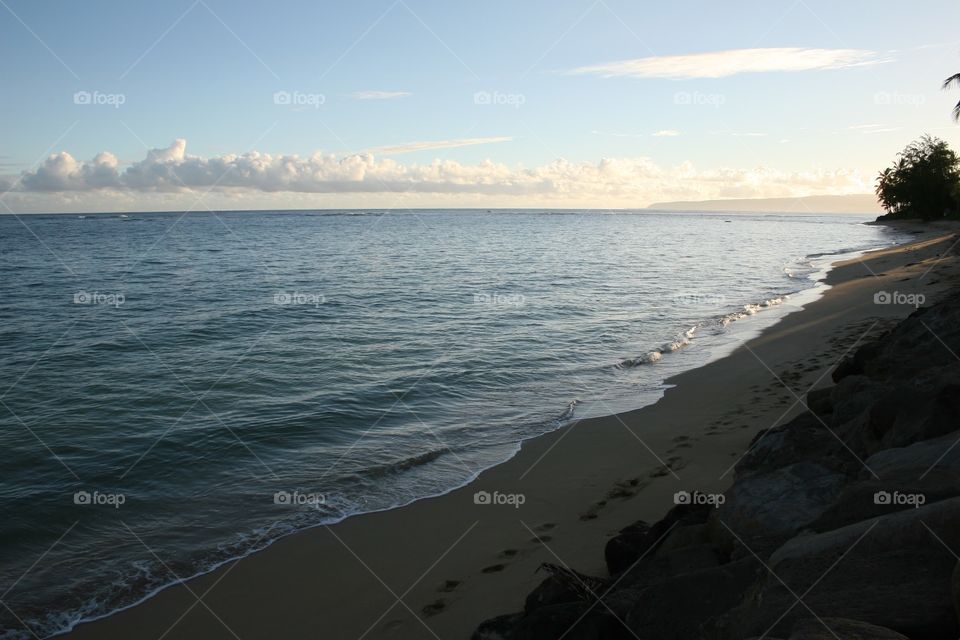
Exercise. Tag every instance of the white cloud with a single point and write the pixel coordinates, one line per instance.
(410, 147)
(379, 95)
(170, 178)
(666, 133)
(720, 64)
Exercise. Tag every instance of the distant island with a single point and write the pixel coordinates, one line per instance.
(857, 203)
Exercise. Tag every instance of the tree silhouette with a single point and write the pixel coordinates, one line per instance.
(954, 79)
(924, 182)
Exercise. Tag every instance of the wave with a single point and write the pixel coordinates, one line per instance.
(752, 309)
(682, 340)
(405, 464)
(685, 338)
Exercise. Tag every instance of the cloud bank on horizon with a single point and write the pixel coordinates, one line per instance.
(721, 64)
(630, 182)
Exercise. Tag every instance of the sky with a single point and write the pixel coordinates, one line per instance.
(217, 104)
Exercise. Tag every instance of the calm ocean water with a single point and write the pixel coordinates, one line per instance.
(197, 386)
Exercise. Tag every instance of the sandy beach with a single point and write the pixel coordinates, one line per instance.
(440, 566)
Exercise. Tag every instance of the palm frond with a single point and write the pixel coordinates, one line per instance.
(954, 78)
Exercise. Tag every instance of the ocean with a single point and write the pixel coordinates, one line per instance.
(180, 390)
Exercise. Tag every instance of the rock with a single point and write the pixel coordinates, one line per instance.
(955, 588)
(919, 458)
(781, 502)
(625, 548)
(690, 535)
(805, 438)
(872, 498)
(574, 621)
(639, 538)
(852, 396)
(549, 592)
(660, 566)
(890, 571)
(820, 402)
(677, 607)
(924, 339)
(833, 628)
(927, 407)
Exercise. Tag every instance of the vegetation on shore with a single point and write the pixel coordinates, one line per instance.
(923, 183)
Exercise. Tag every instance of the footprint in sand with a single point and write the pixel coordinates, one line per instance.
(494, 568)
(448, 586)
(508, 553)
(433, 608)
(546, 526)
(541, 539)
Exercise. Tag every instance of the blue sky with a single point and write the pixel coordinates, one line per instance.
(585, 103)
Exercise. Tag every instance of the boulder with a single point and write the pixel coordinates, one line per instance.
(926, 407)
(820, 401)
(781, 502)
(890, 571)
(677, 607)
(660, 566)
(636, 540)
(805, 438)
(833, 628)
(550, 592)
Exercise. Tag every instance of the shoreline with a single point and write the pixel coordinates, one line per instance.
(496, 547)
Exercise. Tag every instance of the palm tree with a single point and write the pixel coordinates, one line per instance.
(955, 78)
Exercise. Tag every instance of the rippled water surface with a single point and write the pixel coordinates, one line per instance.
(185, 374)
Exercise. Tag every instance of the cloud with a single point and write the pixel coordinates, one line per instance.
(379, 95)
(720, 64)
(410, 147)
(168, 178)
(666, 133)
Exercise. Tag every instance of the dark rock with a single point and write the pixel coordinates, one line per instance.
(852, 396)
(677, 607)
(890, 571)
(833, 628)
(625, 548)
(927, 407)
(820, 402)
(577, 621)
(805, 438)
(660, 566)
(781, 502)
(691, 535)
(918, 459)
(574, 621)
(549, 592)
(955, 588)
(639, 538)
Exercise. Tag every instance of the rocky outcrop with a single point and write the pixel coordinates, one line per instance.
(843, 523)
